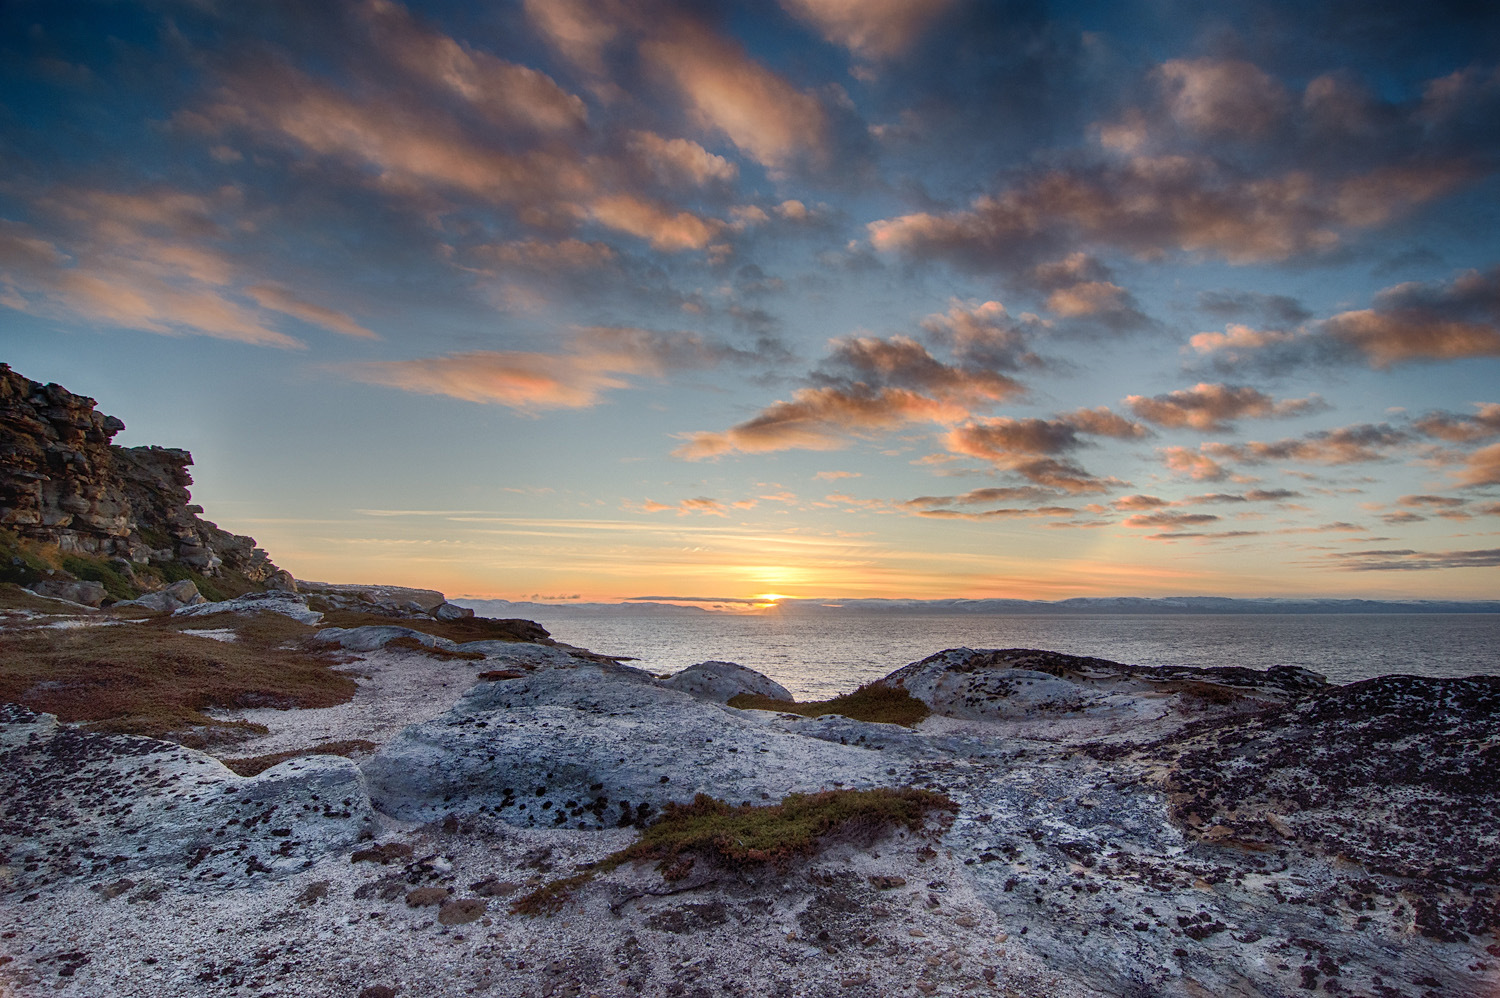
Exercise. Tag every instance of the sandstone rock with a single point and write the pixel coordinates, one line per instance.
(720, 681)
(85, 593)
(186, 593)
(281, 581)
(63, 482)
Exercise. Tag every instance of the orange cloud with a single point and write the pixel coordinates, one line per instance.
(600, 358)
(1169, 520)
(1139, 502)
(1462, 429)
(1193, 463)
(871, 29)
(1345, 445)
(504, 92)
(279, 299)
(142, 261)
(1481, 467)
(757, 110)
(822, 419)
(663, 228)
(1151, 205)
(1027, 446)
(677, 160)
(1215, 406)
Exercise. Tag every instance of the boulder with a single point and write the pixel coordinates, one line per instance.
(374, 637)
(721, 681)
(600, 745)
(452, 611)
(281, 581)
(169, 600)
(285, 603)
(85, 593)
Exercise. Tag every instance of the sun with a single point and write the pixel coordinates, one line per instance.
(770, 597)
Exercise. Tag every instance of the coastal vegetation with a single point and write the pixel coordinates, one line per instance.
(738, 838)
(877, 702)
(157, 678)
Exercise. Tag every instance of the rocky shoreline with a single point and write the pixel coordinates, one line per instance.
(1118, 830)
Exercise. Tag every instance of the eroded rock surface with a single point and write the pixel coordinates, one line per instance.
(76, 806)
(723, 681)
(596, 745)
(1121, 831)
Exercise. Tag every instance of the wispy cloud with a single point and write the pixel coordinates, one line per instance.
(1215, 406)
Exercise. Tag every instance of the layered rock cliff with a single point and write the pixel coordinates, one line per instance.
(64, 484)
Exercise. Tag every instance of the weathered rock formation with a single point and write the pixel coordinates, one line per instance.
(63, 483)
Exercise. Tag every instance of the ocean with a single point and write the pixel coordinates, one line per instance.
(817, 656)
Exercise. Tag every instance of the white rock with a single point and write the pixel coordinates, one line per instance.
(721, 681)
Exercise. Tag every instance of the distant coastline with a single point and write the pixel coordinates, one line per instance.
(1173, 605)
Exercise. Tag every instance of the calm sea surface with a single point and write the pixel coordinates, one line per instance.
(820, 656)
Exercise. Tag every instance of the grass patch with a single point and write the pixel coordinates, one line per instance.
(751, 835)
(257, 764)
(149, 679)
(871, 702)
(13, 597)
(23, 561)
(462, 630)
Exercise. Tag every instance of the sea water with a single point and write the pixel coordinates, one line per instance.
(827, 654)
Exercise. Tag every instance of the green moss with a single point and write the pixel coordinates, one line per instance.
(21, 561)
(752, 835)
(99, 570)
(871, 702)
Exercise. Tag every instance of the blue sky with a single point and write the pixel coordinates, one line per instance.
(815, 298)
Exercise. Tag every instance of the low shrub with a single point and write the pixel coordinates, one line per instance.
(256, 764)
(738, 838)
(871, 702)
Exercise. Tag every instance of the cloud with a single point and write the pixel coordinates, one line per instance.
(1279, 309)
(702, 505)
(1005, 513)
(822, 419)
(1481, 467)
(663, 228)
(871, 29)
(1169, 519)
(1362, 443)
(504, 92)
(600, 358)
(1215, 406)
(1139, 502)
(1193, 463)
(1221, 97)
(1407, 323)
(147, 261)
(279, 299)
(983, 335)
(904, 363)
(1150, 206)
(833, 476)
(1406, 560)
(980, 497)
(726, 91)
(1029, 448)
(1462, 429)
(679, 160)
(542, 255)
(579, 29)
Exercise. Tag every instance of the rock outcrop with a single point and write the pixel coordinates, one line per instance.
(63, 483)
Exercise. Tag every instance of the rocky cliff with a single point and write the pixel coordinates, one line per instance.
(63, 484)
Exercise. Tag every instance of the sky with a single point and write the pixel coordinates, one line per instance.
(572, 300)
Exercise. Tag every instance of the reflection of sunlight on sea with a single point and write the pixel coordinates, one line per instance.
(818, 656)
